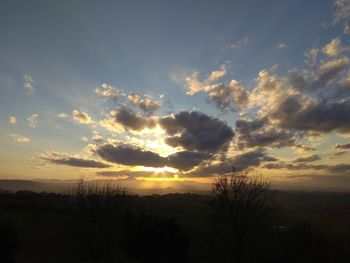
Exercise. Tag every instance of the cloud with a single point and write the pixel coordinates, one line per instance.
(317, 116)
(29, 84)
(12, 120)
(81, 117)
(84, 139)
(311, 56)
(108, 91)
(97, 138)
(240, 44)
(135, 156)
(186, 160)
(238, 162)
(254, 133)
(129, 155)
(33, 120)
(328, 71)
(252, 158)
(64, 159)
(19, 138)
(130, 174)
(281, 45)
(333, 48)
(338, 154)
(307, 159)
(345, 83)
(225, 96)
(146, 104)
(124, 119)
(196, 131)
(342, 13)
(337, 168)
(342, 146)
(219, 73)
(62, 115)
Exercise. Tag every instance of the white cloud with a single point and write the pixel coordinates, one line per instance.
(81, 117)
(84, 139)
(29, 83)
(12, 120)
(281, 45)
(108, 91)
(333, 48)
(19, 138)
(62, 115)
(33, 120)
(219, 73)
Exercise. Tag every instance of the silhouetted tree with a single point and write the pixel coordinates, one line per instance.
(243, 202)
(156, 240)
(101, 208)
(8, 242)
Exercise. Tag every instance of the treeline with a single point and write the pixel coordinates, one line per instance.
(96, 222)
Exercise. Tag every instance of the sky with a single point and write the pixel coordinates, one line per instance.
(174, 93)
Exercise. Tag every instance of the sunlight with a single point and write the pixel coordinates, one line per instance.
(159, 170)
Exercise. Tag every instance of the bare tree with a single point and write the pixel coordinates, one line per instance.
(100, 209)
(243, 201)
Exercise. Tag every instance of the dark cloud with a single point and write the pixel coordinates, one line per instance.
(338, 168)
(186, 160)
(257, 133)
(77, 162)
(196, 131)
(328, 71)
(239, 162)
(130, 120)
(320, 116)
(307, 159)
(294, 167)
(127, 174)
(252, 158)
(133, 156)
(267, 137)
(342, 146)
(128, 155)
(248, 126)
(340, 153)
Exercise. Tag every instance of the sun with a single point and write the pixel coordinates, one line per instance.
(160, 170)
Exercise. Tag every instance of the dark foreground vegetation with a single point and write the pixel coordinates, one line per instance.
(242, 221)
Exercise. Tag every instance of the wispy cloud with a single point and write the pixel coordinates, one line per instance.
(81, 117)
(342, 13)
(29, 84)
(240, 43)
(62, 115)
(12, 120)
(19, 138)
(33, 120)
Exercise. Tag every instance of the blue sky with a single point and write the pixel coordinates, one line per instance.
(65, 50)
